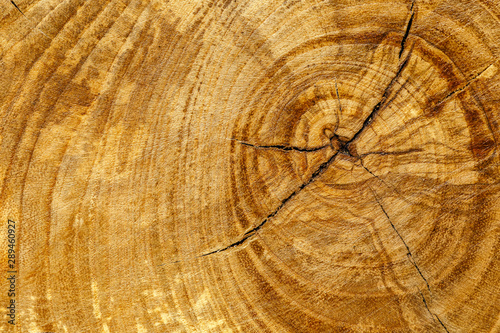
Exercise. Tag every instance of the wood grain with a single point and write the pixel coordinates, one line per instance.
(251, 166)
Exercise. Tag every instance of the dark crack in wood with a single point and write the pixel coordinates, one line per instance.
(426, 305)
(339, 109)
(20, 11)
(442, 324)
(381, 180)
(463, 87)
(382, 101)
(344, 149)
(282, 147)
(407, 31)
(396, 153)
(253, 231)
(15, 5)
(433, 315)
(409, 254)
(387, 91)
(371, 173)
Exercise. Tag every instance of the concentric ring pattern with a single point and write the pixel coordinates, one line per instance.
(252, 166)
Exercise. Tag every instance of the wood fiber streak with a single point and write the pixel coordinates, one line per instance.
(251, 166)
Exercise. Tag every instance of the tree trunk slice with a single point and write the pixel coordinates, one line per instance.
(251, 166)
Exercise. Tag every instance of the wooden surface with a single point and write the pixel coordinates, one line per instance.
(251, 166)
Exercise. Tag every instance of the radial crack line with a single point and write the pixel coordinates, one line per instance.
(15, 5)
(426, 305)
(339, 110)
(407, 31)
(400, 152)
(371, 173)
(465, 86)
(338, 96)
(409, 254)
(433, 315)
(382, 101)
(281, 147)
(26, 17)
(442, 324)
(387, 91)
(323, 166)
(384, 182)
(253, 231)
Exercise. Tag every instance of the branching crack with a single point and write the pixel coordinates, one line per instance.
(282, 147)
(343, 149)
(408, 253)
